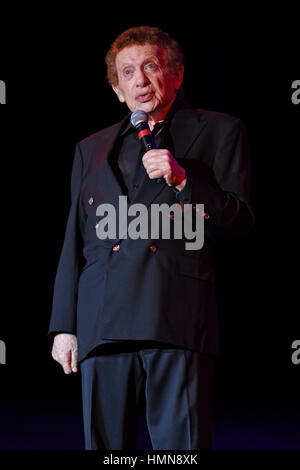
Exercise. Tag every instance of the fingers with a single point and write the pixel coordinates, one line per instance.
(64, 359)
(74, 360)
(69, 362)
(66, 363)
(65, 352)
(157, 155)
(158, 172)
(157, 163)
(160, 163)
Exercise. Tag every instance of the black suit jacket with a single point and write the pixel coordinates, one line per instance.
(163, 294)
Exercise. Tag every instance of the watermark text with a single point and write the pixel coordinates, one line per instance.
(296, 94)
(2, 352)
(186, 220)
(296, 354)
(2, 92)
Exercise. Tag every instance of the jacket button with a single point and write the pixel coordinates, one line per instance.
(116, 247)
(91, 200)
(153, 248)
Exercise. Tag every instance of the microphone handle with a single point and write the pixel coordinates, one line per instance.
(148, 142)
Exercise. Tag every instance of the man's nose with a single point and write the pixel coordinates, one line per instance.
(141, 78)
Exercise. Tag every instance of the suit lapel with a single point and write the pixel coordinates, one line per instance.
(185, 127)
(104, 176)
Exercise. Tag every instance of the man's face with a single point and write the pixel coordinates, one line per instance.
(144, 82)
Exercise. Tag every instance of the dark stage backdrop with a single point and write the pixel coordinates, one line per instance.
(239, 60)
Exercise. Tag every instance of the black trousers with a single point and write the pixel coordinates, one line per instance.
(172, 385)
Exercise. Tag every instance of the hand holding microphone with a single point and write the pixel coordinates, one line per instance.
(157, 160)
(139, 120)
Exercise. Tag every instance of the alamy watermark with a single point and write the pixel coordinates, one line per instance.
(2, 92)
(188, 222)
(296, 94)
(296, 354)
(2, 352)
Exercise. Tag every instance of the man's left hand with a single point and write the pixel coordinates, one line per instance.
(160, 163)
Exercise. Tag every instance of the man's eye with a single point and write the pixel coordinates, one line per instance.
(151, 66)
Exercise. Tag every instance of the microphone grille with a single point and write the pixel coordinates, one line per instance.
(137, 117)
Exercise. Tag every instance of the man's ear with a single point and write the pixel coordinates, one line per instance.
(179, 78)
(118, 93)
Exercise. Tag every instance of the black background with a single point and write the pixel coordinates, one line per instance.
(240, 60)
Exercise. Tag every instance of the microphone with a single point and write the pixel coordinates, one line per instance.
(139, 120)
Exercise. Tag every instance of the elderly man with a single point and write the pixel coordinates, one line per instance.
(139, 314)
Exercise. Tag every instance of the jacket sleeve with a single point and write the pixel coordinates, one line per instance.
(224, 188)
(63, 316)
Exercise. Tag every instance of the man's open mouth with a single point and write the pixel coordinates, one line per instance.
(143, 98)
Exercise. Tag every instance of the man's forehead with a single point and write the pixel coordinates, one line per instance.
(140, 52)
